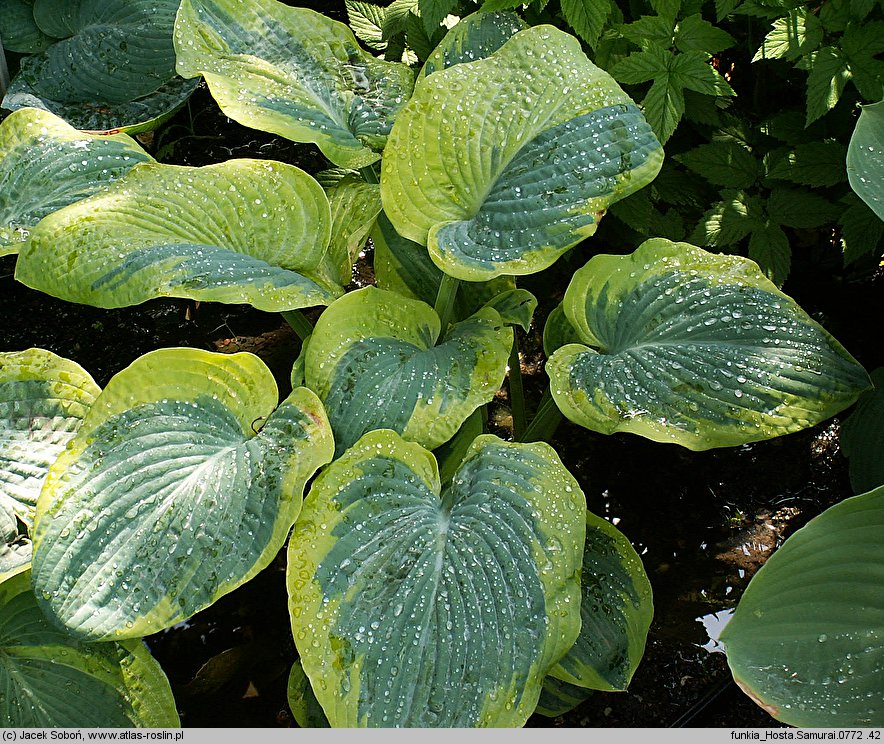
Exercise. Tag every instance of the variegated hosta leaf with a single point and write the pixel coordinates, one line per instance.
(862, 438)
(355, 206)
(18, 29)
(501, 165)
(244, 231)
(616, 610)
(43, 399)
(559, 697)
(403, 266)
(109, 56)
(865, 157)
(680, 345)
(414, 605)
(475, 37)
(293, 72)
(377, 361)
(805, 640)
(50, 679)
(46, 164)
(181, 484)
(515, 307)
(302, 702)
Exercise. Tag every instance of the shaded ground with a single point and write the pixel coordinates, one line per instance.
(702, 522)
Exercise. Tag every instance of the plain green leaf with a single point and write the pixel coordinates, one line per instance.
(243, 231)
(800, 208)
(194, 473)
(43, 399)
(865, 157)
(551, 141)
(377, 361)
(52, 680)
(680, 345)
(792, 36)
(695, 34)
(805, 640)
(723, 163)
(769, 248)
(46, 164)
(293, 72)
(454, 600)
(812, 164)
(862, 438)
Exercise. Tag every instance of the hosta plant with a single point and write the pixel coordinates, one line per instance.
(438, 574)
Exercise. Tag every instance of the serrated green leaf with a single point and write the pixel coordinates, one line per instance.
(46, 164)
(865, 157)
(433, 12)
(543, 174)
(634, 211)
(195, 476)
(862, 45)
(800, 208)
(835, 15)
(681, 345)
(367, 20)
(397, 16)
(639, 67)
(862, 438)
(483, 574)
(663, 106)
(829, 74)
(862, 232)
(668, 8)
(813, 164)
(724, 8)
(805, 639)
(859, 9)
(587, 17)
(723, 163)
(378, 361)
(52, 680)
(243, 231)
(676, 186)
(769, 248)
(692, 70)
(416, 37)
(729, 221)
(43, 399)
(293, 72)
(695, 34)
(797, 34)
(703, 109)
(650, 32)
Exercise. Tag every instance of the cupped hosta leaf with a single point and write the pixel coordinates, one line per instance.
(475, 37)
(501, 165)
(616, 610)
(695, 348)
(355, 206)
(403, 266)
(865, 157)
(559, 697)
(558, 331)
(302, 702)
(244, 231)
(181, 484)
(43, 399)
(515, 307)
(108, 56)
(46, 164)
(293, 72)
(377, 361)
(805, 640)
(453, 602)
(50, 679)
(138, 115)
(862, 438)
(18, 29)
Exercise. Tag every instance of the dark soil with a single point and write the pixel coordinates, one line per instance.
(702, 522)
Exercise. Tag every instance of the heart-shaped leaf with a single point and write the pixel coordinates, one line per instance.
(51, 680)
(805, 639)
(46, 164)
(18, 29)
(695, 348)
(616, 610)
(414, 605)
(244, 231)
(377, 361)
(293, 72)
(475, 37)
(865, 157)
(43, 400)
(112, 68)
(862, 438)
(403, 266)
(181, 484)
(501, 165)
